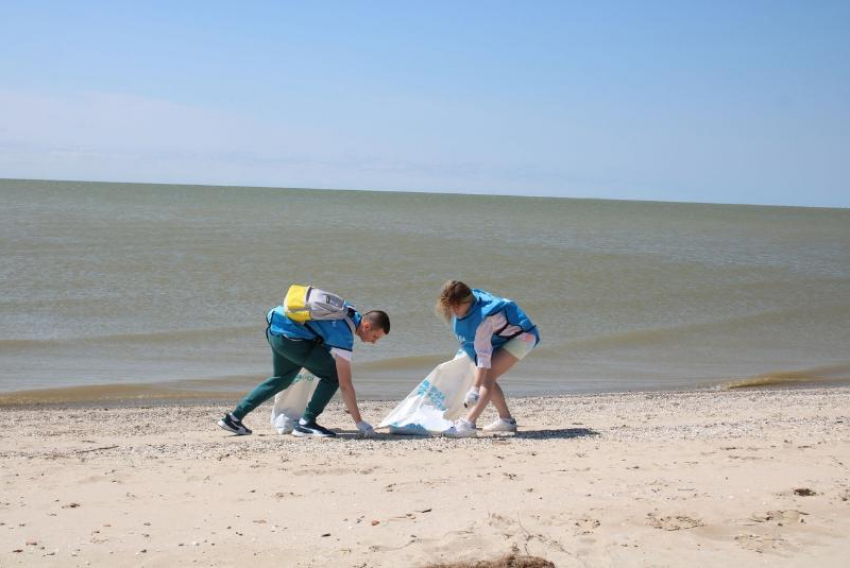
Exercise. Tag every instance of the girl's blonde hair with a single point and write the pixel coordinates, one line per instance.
(453, 293)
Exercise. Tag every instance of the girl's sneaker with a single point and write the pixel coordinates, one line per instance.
(502, 425)
(463, 428)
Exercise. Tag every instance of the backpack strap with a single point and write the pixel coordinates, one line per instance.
(316, 336)
(348, 318)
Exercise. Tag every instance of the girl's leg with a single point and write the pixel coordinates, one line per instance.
(502, 363)
(499, 401)
(490, 390)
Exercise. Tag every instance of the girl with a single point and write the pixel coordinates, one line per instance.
(495, 333)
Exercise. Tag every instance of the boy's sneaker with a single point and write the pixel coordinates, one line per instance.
(501, 425)
(233, 424)
(463, 428)
(304, 428)
(471, 398)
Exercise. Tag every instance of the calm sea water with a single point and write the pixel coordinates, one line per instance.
(155, 288)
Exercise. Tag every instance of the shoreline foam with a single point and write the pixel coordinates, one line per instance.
(201, 392)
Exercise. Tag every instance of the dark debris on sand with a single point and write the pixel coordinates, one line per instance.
(512, 560)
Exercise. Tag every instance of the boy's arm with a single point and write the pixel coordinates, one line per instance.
(349, 397)
(346, 387)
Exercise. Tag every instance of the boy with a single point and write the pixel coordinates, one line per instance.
(324, 348)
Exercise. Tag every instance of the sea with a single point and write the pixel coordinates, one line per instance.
(136, 292)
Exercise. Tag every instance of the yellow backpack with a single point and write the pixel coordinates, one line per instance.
(305, 303)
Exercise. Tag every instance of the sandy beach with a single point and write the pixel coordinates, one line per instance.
(654, 479)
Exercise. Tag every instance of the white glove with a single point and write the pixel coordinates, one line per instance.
(365, 429)
(471, 398)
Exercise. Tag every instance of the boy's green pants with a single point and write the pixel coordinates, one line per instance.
(288, 358)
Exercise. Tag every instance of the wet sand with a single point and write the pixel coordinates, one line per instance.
(662, 479)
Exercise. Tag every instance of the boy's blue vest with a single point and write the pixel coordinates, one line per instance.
(486, 305)
(332, 333)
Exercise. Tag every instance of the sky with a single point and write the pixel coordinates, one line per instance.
(721, 101)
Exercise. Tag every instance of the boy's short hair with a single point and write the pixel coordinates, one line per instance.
(378, 319)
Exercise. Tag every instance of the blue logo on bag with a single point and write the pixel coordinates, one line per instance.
(302, 377)
(416, 429)
(432, 393)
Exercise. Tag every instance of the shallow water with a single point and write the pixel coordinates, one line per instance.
(128, 285)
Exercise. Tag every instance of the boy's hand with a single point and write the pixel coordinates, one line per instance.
(365, 429)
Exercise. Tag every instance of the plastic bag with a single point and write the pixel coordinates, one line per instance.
(291, 403)
(436, 402)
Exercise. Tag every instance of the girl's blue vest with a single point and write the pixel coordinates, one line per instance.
(486, 305)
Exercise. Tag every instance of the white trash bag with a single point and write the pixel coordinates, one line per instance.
(291, 403)
(436, 402)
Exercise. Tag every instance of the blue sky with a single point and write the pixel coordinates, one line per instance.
(733, 102)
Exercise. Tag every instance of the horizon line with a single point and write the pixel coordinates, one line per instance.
(424, 192)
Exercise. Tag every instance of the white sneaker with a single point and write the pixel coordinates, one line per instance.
(501, 425)
(463, 428)
(471, 398)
